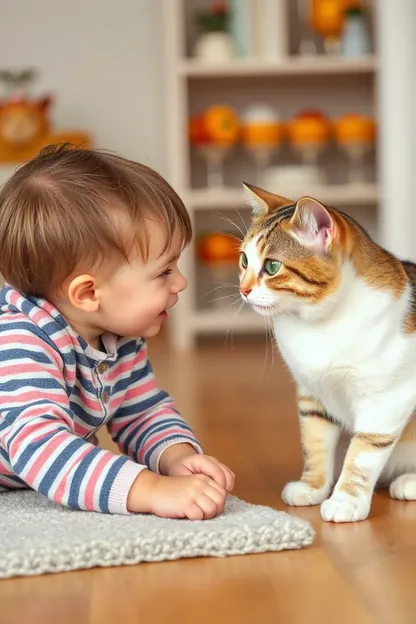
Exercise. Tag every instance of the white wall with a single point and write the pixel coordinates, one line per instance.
(397, 96)
(103, 60)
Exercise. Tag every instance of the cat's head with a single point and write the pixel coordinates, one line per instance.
(289, 260)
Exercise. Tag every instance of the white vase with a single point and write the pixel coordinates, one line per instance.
(214, 47)
(355, 40)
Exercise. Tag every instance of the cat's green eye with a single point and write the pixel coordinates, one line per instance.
(243, 260)
(272, 267)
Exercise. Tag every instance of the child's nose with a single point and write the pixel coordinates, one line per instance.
(180, 284)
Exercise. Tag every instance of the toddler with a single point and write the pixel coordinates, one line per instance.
(89, 245)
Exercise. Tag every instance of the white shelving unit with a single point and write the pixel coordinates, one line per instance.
(333, 84)
(335, 194)
(291, 67)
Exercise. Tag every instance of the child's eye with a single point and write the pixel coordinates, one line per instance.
(165, 273)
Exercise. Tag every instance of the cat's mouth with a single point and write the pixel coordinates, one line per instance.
(264, 309)
(263, 306)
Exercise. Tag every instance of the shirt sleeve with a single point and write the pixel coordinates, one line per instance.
(147, 422)
(36, 432)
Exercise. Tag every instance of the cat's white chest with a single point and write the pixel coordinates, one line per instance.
(322, 365)
(349, 355)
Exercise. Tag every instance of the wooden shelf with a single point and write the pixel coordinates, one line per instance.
(218, 322)
(293, 66)
(337, 195)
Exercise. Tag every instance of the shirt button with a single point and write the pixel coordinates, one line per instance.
(101, 368)
(106, 396)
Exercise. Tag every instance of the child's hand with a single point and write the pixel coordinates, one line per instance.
(195, 464)
(196, 497)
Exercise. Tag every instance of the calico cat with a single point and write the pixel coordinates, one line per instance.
(344, 318)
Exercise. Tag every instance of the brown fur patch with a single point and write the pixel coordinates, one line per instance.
(314, 427)
(293, 291)
(308, 406)
(377, 267)
(309, 403)
(314, 435)
(409, 322)
(373, 441)
(286, 281)
(306, 278)
(261, 245)
(355, 480)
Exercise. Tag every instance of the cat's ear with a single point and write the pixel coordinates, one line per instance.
(312, 224)
(262, 202)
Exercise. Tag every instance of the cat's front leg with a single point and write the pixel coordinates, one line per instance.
(378, 427)
(319, 438)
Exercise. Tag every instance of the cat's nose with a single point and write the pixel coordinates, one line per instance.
(245, 291)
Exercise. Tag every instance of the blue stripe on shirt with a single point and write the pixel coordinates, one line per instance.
(79, 474)
(56, 466)
(108, 483)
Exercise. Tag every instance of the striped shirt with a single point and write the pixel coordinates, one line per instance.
(56, 392)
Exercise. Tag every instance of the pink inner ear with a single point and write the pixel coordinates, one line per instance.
(317, 227)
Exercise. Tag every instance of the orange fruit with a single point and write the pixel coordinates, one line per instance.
(309, 128)
(197, 131)
(216, 247)
(222, 124)
(262, 133)
(353, 127)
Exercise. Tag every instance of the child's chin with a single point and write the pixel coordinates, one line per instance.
(151, 331)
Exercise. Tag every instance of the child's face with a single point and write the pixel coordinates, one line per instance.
(135, 300)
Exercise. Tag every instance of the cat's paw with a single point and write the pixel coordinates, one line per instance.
(343, 507)
(404, 487)
(300, 494)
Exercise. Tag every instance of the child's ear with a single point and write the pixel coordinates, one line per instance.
(263, 202)
(82, 293)
(312, 224)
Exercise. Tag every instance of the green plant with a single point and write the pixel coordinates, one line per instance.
(354, 10)
(216, 19)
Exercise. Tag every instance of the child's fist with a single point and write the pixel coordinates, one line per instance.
(196, 497)
(195, 464)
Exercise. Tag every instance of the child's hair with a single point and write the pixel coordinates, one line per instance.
(72, 208)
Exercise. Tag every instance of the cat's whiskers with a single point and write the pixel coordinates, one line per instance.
(230, 235)
(241, 219)
(230, 325)
(271, 336)
(235, 296)
(226, 285)
(267, 347)
(231, 222)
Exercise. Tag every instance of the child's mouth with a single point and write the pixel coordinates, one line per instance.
(163, 315)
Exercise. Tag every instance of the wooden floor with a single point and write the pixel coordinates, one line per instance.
(244, 413)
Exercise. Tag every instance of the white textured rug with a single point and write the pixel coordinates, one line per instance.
(37, 536)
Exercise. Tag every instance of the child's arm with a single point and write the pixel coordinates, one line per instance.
(36, 432)
(148, 424)
(148, 428)
(37, 440)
